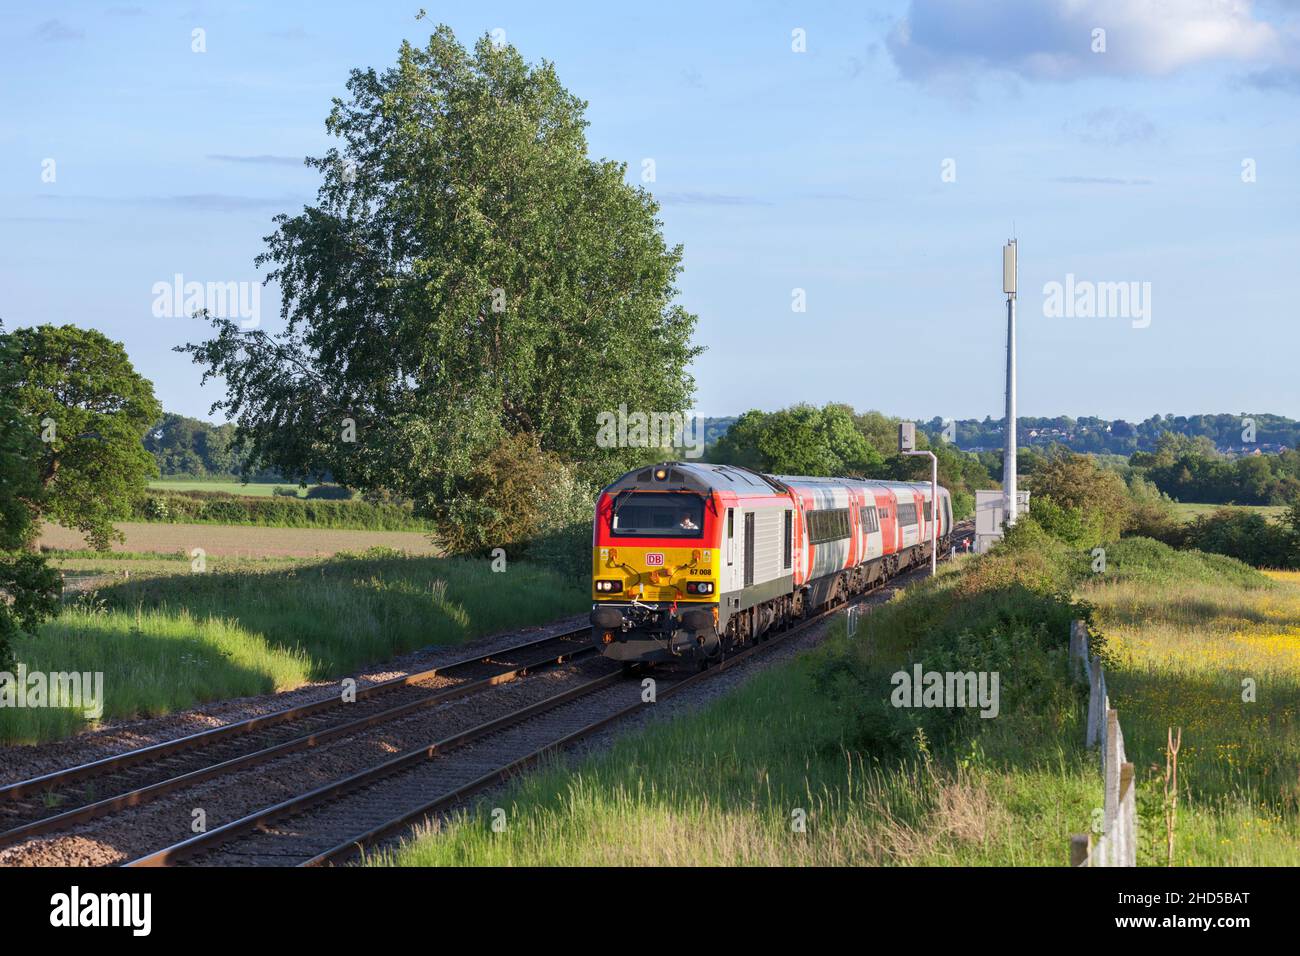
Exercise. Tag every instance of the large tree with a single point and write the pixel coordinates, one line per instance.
(77, 391)
(28, 587)
(800, 440)
(468, 273)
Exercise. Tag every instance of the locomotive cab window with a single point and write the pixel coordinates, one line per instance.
(651, 514)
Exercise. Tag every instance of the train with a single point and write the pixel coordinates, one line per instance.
(691, 561)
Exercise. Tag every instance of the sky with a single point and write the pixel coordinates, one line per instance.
(842, 177)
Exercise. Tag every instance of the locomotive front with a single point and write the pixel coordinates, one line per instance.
(655, 557)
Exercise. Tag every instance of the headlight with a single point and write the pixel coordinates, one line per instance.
(699, 587)
(609, 587)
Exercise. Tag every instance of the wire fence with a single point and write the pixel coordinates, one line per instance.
(1116, 842)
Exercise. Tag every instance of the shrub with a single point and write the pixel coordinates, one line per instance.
(1075, 483)
(329, 493)
(279, 492)
(1152, 514)
(1006, 612)
(1246, 535)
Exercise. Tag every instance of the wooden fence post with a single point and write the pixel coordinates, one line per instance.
(1127, 816)
(1110, 770)
(1080, 849)
(1078, 649)
(1117, 843)
(1094, 703)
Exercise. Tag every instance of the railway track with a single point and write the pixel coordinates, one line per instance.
(349, 774)
(341, 818)
(56, 801)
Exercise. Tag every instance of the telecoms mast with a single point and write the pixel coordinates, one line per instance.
(1009, 454)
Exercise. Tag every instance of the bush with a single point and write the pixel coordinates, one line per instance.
(329, 493)
(525, 500)
(1007, 612)
(279, 492)
(1090, 505)
(1245, 535)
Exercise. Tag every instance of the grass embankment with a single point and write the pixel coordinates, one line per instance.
(929, 786)
(1184, 646)
(168, 638)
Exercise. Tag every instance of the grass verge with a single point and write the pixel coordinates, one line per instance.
(166, 641)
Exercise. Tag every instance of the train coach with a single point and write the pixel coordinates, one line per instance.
(690, 560)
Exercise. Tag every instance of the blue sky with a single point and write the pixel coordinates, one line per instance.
(778, 170)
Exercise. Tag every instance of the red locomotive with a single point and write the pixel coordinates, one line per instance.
(692, 560)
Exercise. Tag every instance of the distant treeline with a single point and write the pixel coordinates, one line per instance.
(1118, 437)
(186, 447)
(1190, 469)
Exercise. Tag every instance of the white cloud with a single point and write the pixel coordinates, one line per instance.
(1054, 39)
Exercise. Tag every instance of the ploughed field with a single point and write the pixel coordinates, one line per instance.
(243, 541)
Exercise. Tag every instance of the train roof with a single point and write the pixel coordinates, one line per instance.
(705, 478)
(696, 476)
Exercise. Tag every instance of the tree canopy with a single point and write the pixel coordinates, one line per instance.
(467, 274)
(835, 440)
(801, 440)
(32, 586)
(82, 412)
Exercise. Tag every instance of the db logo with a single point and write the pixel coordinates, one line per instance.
(654, 560)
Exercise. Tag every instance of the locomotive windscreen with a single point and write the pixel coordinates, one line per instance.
(659, 514)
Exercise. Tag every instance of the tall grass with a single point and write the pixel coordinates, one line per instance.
(1219, 656)
(167, 642)
(884, 785)
(727, 786)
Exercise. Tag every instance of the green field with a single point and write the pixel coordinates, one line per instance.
(817, 738)
(1186, 511)
(255, 490)
(167, 638)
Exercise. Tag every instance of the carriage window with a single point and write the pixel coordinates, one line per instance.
(907, 515)
(927, 511)
(659, 514)
(870, 522)
(829, 525)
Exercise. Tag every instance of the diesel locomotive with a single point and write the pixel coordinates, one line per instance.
(690, 560)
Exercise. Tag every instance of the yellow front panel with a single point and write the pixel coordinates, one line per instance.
(654, 574)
